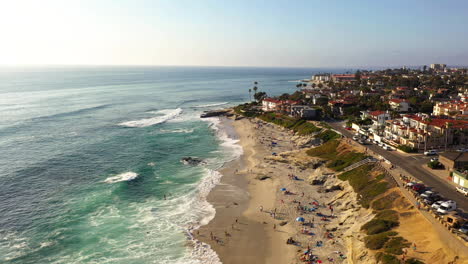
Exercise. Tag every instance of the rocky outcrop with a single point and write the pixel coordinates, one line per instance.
(305, 141)
(192, 161)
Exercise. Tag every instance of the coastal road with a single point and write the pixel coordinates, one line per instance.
(413, 165)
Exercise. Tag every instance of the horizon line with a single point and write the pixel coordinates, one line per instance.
(217, 66)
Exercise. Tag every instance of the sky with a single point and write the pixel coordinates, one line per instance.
(294, 33)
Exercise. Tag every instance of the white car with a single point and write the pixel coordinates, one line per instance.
(437, 204)
(462, 190)
(446, 207)
(430, 152)
(387, 147)
(462, 150)
(427, 194)
(434, 159)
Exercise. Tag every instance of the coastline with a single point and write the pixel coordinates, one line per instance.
(246, 234)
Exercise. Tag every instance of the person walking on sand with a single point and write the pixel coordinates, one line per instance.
(261, 208)
(414, 246)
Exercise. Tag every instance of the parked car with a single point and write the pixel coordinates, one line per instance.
(427, 194)
(462, 190)
(464, 228)
(362, 142)
(446, 207)
(419, 188)
(355, 137)
(410, 184)
(433, 199)
(437, 204)
(434, 159)
(387, 147)
(430, 152)
(462, 150)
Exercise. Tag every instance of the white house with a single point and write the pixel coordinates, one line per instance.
(399, 105)
(270, 104)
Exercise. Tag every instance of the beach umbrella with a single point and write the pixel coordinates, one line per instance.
(283, 189)
(300, 219)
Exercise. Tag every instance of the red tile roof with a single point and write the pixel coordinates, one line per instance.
(398, 100)
(376, 113)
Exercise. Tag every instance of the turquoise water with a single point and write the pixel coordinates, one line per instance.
(88, 154)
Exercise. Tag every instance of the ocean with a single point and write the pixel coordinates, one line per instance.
(90, 165)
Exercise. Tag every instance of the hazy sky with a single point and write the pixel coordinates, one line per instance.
(290, 33)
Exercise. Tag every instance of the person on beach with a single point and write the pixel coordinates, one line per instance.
(261, 208)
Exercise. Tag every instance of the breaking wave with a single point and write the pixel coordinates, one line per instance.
(126, 176)
(167, 114)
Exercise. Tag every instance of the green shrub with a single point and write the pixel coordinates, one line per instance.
(378, 241)
(435, 164)
(376, 226)
(396, 245)
(386, 258)
(408, 149)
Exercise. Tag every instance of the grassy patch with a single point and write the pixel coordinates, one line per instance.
(299, 126)
(385, 202)
(378, 241)
(328, 135)
(364, 185)
(389, 215)
(386, 258)
(396, 245)
(376, 226)
(325, 151)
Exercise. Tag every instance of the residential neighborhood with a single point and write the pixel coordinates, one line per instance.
(420, 110)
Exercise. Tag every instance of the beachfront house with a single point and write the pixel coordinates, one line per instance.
(270, 104)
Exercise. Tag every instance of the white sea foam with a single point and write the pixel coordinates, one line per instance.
(163, 116)
(126, 176)
(210, 105)
(185, 131)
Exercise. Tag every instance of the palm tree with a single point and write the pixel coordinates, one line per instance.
(250, 94)
(255, 88)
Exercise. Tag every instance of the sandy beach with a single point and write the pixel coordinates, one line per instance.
(254, 217)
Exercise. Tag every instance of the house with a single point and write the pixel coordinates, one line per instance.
(460, 178)
(453, 108)
(270, 104)
(399, 105)
(453, 160)
(420, 131)
(339, 106)
(320, 78)
(305, 112)
(378, 117)
(343, 77)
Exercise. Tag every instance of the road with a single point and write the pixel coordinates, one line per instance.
(413, 166)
